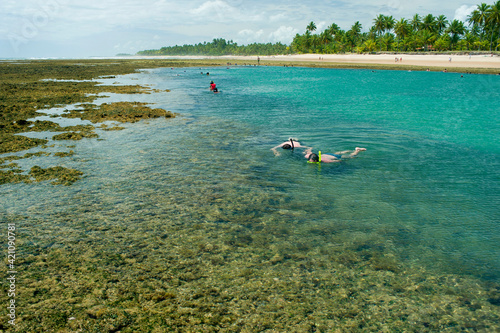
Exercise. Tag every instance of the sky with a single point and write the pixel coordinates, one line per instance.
(80, 29)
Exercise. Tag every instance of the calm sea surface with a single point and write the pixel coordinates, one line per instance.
(427, 187)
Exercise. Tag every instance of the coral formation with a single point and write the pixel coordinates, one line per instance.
(26, 87)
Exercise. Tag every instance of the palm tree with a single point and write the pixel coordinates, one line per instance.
(325, 37)
(353, 33)
(470, 39)
(370, 45)
(307, 41)
(425, 38)
(389, 23)
(416, 22)
(441, 24)
(315, 41)
(478, 16)
(379, 24)
(311, 27)
(402, 29)
(298, 43)
(429, 23)
(442, 43)
(387, 40)
(493, 19)
(356, 28)
(456, 29)
(333, 29)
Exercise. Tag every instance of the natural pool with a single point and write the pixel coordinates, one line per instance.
(192, 224)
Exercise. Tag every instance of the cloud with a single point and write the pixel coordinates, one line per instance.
(321, 26)
(277, 17)
(463, 12)
(217, 10)
(247, 36)
(283, 34)
(82, 28)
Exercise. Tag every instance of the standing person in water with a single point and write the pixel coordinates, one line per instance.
(212, 86)
(290, 144)
(331, 158)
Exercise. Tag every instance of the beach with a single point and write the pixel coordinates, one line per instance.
(477, 63)
(462, 61)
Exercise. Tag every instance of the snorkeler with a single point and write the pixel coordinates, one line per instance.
(330, 158)
(290, 144)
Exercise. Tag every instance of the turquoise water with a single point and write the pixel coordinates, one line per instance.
(432, 160)
(427, 187)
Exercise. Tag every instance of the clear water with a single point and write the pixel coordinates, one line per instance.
(428, 184)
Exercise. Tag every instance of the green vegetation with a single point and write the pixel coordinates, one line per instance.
(124, 112)
(219, 47)
(481, 32)
(27, 87)
(420, 33)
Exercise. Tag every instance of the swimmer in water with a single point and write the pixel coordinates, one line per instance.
(331, 158)
(290, 144)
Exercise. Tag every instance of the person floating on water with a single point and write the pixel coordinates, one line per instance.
(213, 87)
(331, 158)
(290, 144)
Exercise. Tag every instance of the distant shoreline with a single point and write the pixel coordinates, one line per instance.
(482, 63)
(476, 63)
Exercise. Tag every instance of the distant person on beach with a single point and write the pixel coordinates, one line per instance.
(331, 158)
(290, 144)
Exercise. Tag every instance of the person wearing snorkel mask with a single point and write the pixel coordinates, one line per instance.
(331, 158)
(290, 144)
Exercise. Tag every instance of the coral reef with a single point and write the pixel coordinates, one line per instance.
(124, 112)
(29, 86)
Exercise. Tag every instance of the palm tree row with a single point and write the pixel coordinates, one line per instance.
(218, 47)
(481, 32)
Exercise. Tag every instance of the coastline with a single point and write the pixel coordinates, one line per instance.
(462, 61)
(480, 64)
(93, 69)
(106, 256)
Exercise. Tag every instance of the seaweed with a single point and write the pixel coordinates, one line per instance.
(26, 87)
(124, 112)
(60, 175)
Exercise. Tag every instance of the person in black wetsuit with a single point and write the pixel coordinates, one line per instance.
(290, 144)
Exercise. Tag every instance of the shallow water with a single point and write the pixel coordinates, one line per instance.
(426, 190)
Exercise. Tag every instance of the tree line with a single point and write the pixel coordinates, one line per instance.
(219, 47)
(480, 32)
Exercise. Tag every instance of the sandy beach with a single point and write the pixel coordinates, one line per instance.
(462, 61)
(476, 63)
(485, 63)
